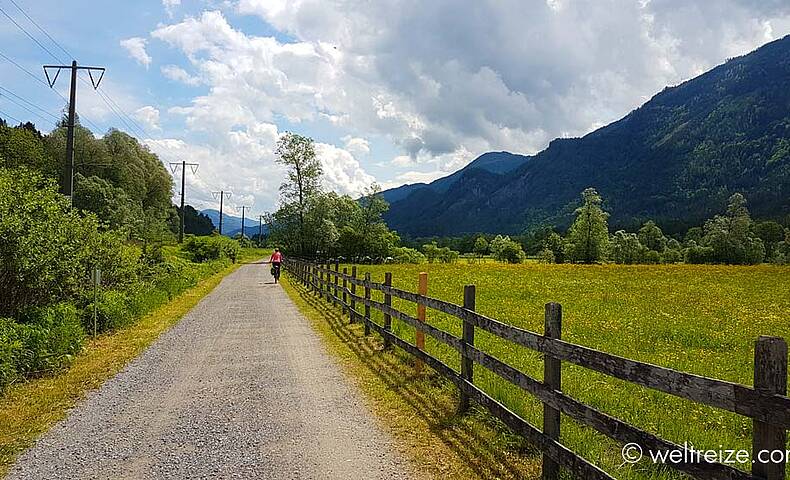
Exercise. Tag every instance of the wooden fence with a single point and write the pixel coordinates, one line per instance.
(766, 404)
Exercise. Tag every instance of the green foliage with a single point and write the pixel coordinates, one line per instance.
(407, 255)
(447, 256)
(731, 237)
(203, 249)
(44, 339)
(506, 250)
(195, 223)
(626, 248)
(588, 237)
(46, 248)
(557, 246)
(481, 246)
(771, 233)
(547, 256)
(651, 236)
(431, 251)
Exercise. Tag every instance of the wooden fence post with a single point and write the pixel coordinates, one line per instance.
(387, 302)
(367, 306)
(770, 377)
(419, 336)
(319, 288)
(468, 339)
(336, 296)
(353, 309)
(345, 285)
(328, 290)
(553, 379)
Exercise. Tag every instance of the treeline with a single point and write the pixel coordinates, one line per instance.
(49, 249)
(730, 238)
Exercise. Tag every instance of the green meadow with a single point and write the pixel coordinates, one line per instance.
(697, 319)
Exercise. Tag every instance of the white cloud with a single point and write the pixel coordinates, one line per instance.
(356, 145)
(149, 116)
(178, 74)
(432, 81)
(342, 172)
(135, 47)
(170, 6)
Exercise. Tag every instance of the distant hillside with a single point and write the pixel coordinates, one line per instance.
(676, 159)
(231, 226)
(495, 162)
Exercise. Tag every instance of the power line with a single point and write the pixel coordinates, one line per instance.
(22, 106)
(29, 35)
(28, 102)
(42, 30)
(9, 116)
(39, 80)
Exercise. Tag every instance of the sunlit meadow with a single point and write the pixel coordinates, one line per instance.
(697, 319)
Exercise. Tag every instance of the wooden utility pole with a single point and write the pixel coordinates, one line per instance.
(67, 175)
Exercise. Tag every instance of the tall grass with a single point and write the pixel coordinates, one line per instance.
(697, 319)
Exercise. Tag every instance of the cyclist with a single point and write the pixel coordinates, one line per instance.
(276, 260)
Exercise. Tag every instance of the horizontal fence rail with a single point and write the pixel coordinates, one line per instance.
(766, 404)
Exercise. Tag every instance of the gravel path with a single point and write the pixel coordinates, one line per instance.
(241, 388)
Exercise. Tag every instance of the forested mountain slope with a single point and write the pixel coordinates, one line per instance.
(676, 159)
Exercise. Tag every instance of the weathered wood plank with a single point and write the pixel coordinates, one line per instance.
(770, 376)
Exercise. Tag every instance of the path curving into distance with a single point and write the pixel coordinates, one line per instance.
(241, 387)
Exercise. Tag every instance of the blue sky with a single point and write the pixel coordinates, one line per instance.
(393, 92)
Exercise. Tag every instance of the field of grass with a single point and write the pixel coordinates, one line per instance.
(29, 409)
(698, 319)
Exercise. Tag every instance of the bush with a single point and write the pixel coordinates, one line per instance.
(546, 256)
(446, 255)
(407, 255)
(672, 256)
(696, 254)
(506, 250)
(217, 247)
(46, 340)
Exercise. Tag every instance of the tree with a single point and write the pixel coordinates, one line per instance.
(556, 245)
(480, 247)
(431, 251)
(506, 250)
(771, 233)
(651, 236)
(626, 248)
(589, 235)
(730, 236)
(303, 179)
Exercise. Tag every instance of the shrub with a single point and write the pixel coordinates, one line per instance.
(546, 256)
(697, 254)
(446, 255)
(506, 250)
(217, 247)
(671, 256)
(407, 255)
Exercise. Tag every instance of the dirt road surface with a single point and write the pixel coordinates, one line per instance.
(241, 388)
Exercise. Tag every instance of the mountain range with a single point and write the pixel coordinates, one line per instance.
(231, 226)
(676, 160)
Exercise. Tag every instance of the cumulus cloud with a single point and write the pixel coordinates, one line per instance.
(170, 6)
(178, 74)
(342, 172)
(356, 145)
(149, 116)
(135, 47)
(437, 84)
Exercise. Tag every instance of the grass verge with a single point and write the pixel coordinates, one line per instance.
(28, 410)
(420, 411)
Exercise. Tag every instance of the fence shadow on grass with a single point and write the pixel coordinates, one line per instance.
(485, 459)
